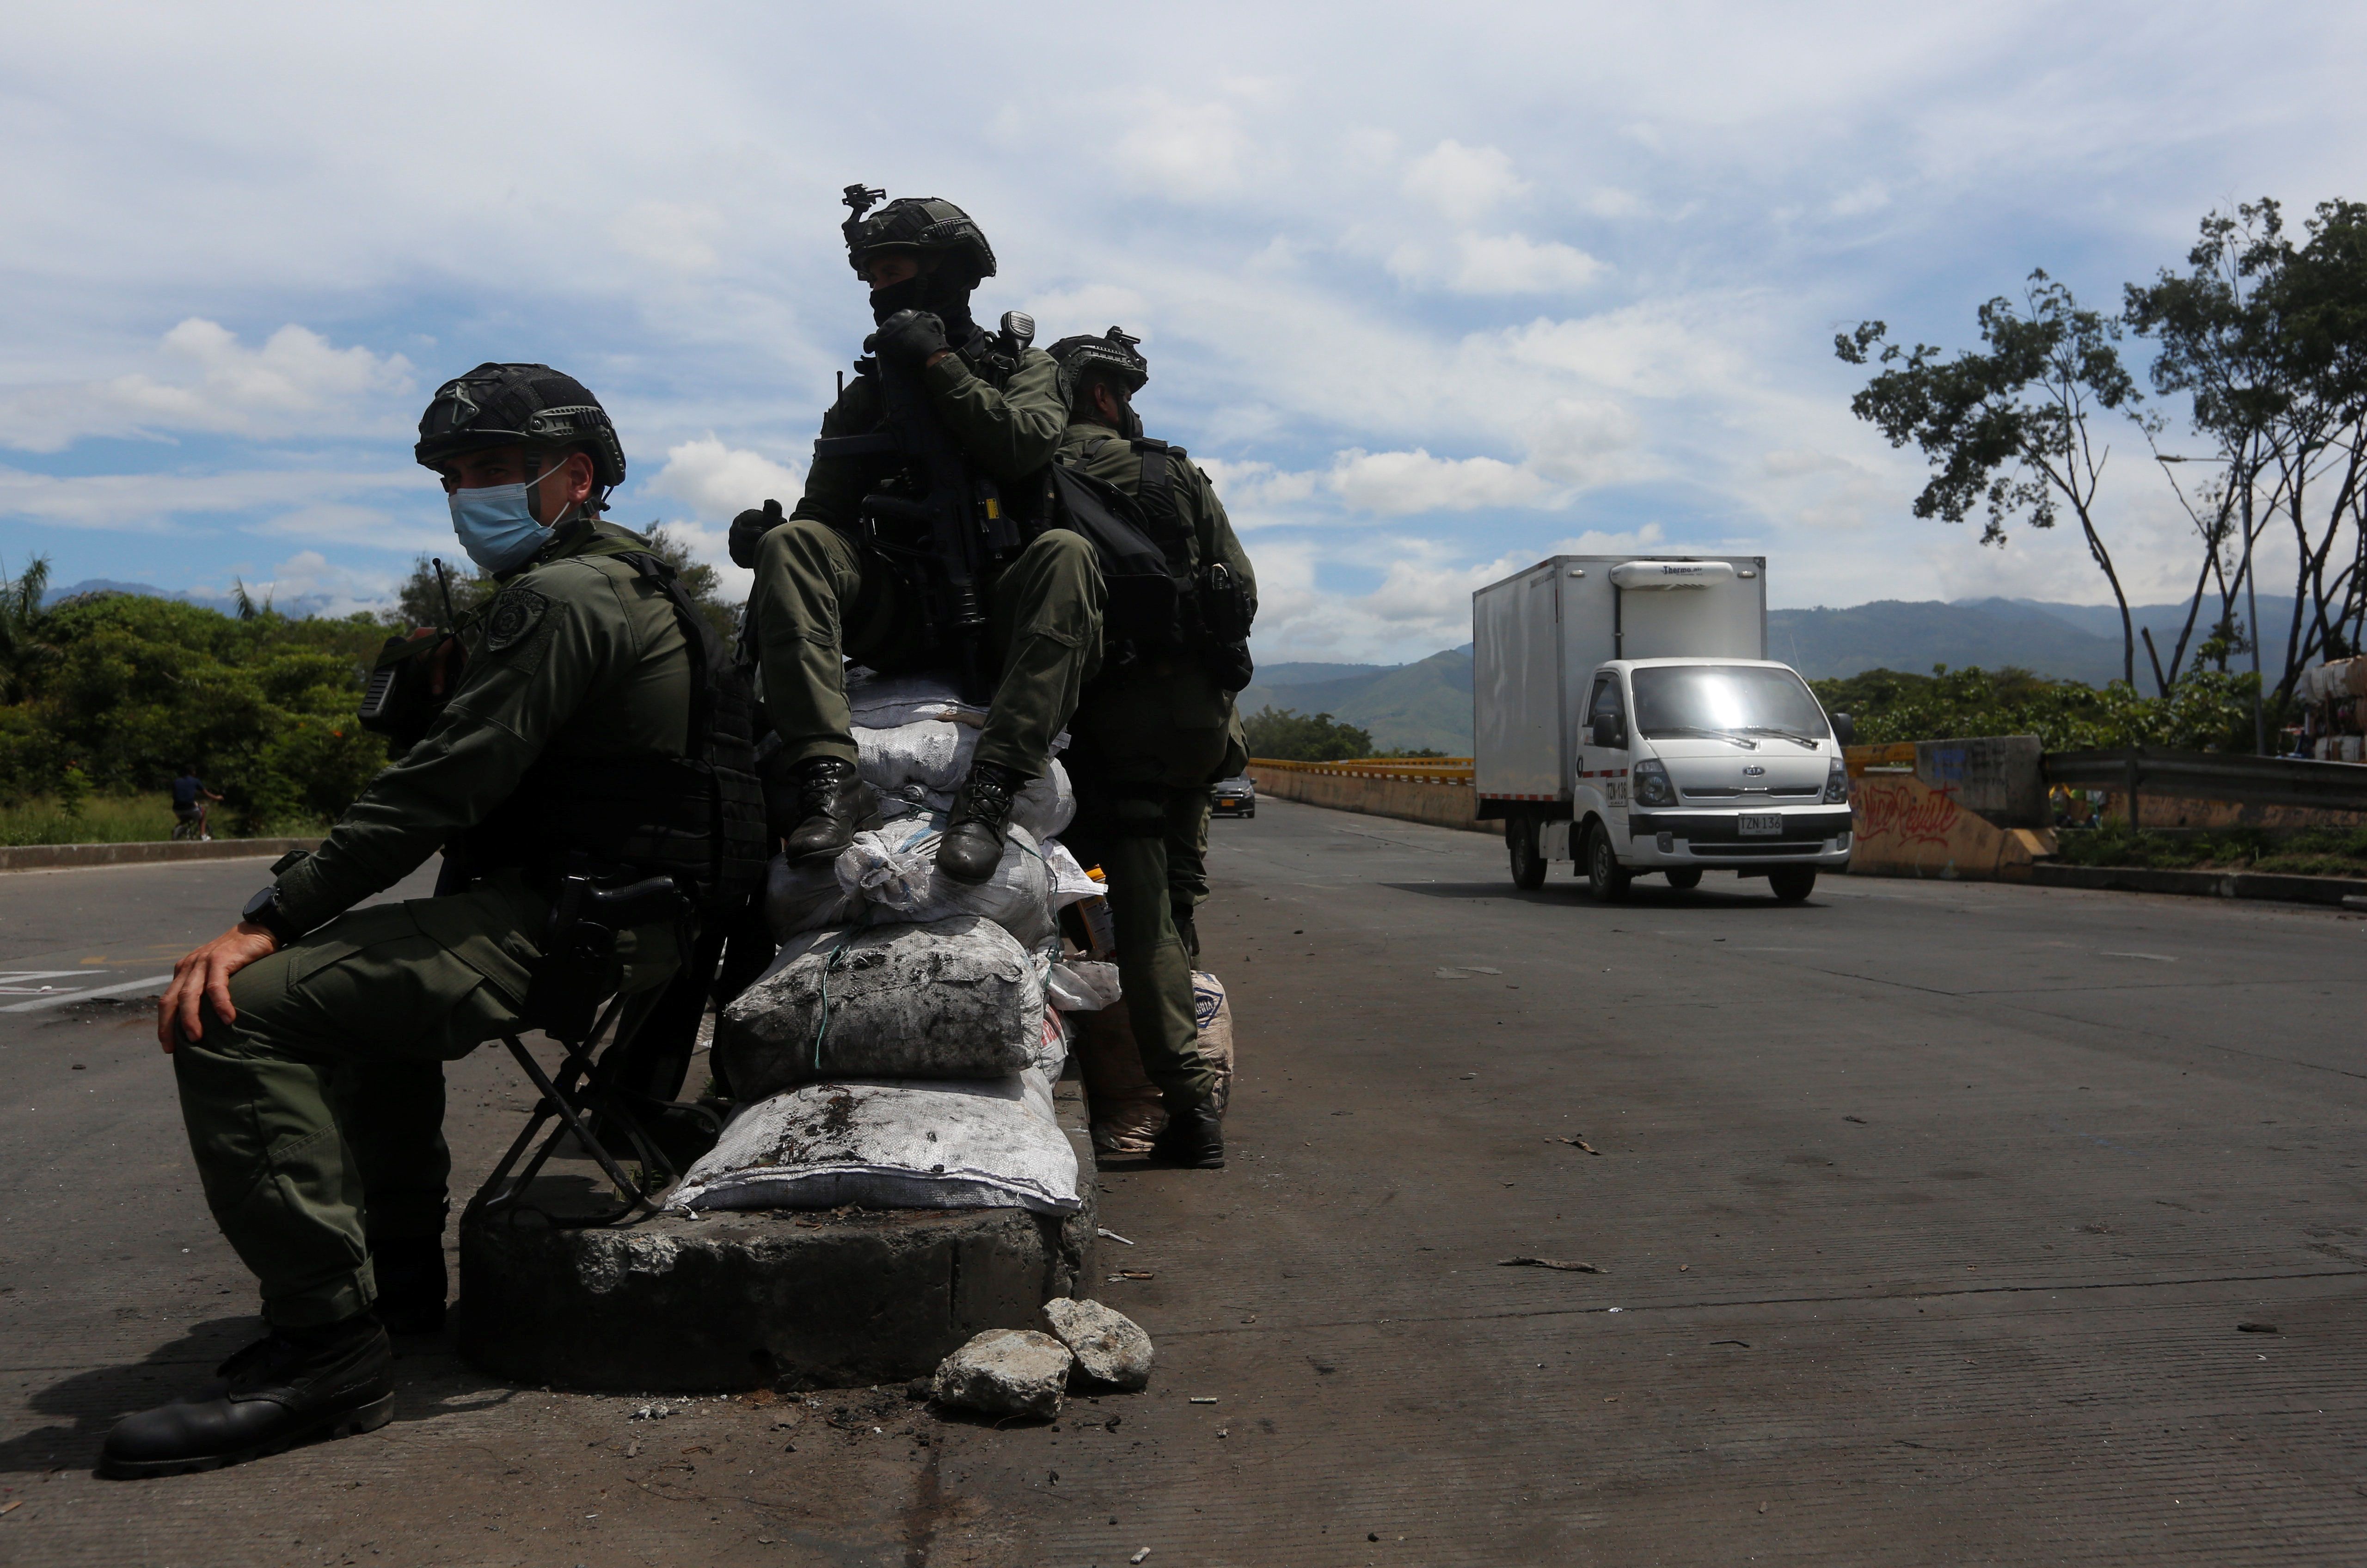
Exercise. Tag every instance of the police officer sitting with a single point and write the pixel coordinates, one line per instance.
(825, 591)
(308, 1040)
(1156, 727)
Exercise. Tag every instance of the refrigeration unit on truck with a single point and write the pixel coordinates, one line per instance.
(1625, 717)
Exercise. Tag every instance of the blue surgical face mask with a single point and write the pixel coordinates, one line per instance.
(495, 524)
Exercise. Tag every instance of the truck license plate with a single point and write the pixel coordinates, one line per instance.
(1768, 824)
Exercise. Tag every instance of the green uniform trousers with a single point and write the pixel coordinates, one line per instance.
(1140, 841)
(821, 598)
(316, 1119)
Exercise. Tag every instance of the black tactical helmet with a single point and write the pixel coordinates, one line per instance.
(501, 405)
(1112, 355)
(920, 223)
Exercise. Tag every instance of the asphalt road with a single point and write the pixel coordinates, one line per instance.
(1927, 1218)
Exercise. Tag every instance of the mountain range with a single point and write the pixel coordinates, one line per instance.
(1429, 702)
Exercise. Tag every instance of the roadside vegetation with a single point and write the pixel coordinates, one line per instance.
(1288, 736)
(104, 697)
(2207, 710)
(2313, 852)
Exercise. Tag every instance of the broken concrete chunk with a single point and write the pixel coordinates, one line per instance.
(1006, 1372)
(1110, 1347)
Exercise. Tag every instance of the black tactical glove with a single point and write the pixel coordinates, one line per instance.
(748, 531)
(909, 337)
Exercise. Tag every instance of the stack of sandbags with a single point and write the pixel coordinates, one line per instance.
(915, 738)
(900, 1049)
(1127, 1111)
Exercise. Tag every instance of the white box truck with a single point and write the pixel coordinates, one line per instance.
(1625, 717)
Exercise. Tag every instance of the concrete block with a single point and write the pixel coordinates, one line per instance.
(1006, 1372)
(1110, 1347)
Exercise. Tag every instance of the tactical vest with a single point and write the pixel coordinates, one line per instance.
(699, 817)
(1167, 590)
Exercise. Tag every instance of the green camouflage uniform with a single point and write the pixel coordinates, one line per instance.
(821, 598)
(1149, 737)
(316, 1118)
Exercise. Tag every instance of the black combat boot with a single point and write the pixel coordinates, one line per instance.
(293, 1386)
(833, 805)
(972, 846)
(410, 1283)
(1194, 1138)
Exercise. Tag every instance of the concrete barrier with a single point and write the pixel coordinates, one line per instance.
(1443, 804)
(1903, 827)
(39, 857)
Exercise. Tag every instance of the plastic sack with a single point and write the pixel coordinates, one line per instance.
(1081, 984)
(1127, 1110)
(895, 869)
(888, 702)
(955, 998)
(1046, 805)
(1067, 883)
(933, 753)
(805, 895)
(892, 1146)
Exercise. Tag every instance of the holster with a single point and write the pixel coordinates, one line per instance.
(571, 979)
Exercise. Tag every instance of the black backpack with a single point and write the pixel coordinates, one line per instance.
(1160, 599)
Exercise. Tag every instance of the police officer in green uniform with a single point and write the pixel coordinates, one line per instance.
(823, 594)
(1156, 728)
(308, 1039)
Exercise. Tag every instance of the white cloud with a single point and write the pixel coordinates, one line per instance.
(716, 482)
(675, 235)
(1463, 183)
(1182, 148)
(1496, 264)
(713, 546)
(325, 587)
(209, 381)
(1398, 483)
(152, 502)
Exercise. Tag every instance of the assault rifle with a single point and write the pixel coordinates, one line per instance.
(952, 531)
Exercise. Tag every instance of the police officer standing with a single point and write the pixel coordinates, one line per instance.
(308, 1039)
(1156, 728)
(826, 590)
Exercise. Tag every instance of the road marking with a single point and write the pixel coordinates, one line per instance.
(65, 997)
(2150, 957)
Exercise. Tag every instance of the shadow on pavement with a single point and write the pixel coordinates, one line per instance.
(92, 1401)
(1571, 894)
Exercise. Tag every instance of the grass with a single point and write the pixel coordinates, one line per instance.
(102, 819)
(2313, 852)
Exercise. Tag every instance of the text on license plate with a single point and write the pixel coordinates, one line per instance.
(1768, 824)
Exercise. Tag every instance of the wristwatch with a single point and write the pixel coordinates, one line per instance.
(264, 910)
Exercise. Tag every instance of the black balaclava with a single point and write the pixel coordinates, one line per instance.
(928, 291)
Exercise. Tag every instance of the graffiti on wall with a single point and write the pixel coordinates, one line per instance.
(1904, 811)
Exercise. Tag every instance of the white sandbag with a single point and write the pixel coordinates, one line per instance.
(1127, 1109)
(895, 868)
(892, 1146)
(1047, 804)
(954, 998)
(805, 895)
(887, 702)
(1081, 984)
(1067, 881)
(1212, 1012)
(934, 753)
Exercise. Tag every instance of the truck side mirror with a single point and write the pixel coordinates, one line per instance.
(1844, 729)
(1607, 730)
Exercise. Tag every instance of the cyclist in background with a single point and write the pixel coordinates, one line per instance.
(189, 797)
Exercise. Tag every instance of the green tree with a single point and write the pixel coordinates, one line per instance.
(25, 649)
(2009, 429)
(1288, 736)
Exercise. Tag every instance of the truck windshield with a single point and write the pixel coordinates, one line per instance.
(1726, 699)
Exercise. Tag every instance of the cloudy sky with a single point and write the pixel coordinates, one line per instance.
(1432, 292)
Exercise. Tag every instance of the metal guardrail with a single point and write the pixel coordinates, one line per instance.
(2214, 775)
(1414, 769)
(1897, 754)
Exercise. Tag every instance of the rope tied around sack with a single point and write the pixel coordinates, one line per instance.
(822, 1024)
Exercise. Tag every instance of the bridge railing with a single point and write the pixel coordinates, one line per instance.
(1417, 770)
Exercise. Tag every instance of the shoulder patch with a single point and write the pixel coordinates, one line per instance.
(513, 618)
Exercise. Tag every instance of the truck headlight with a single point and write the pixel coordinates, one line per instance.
(1837, 784)
(1650, 778)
